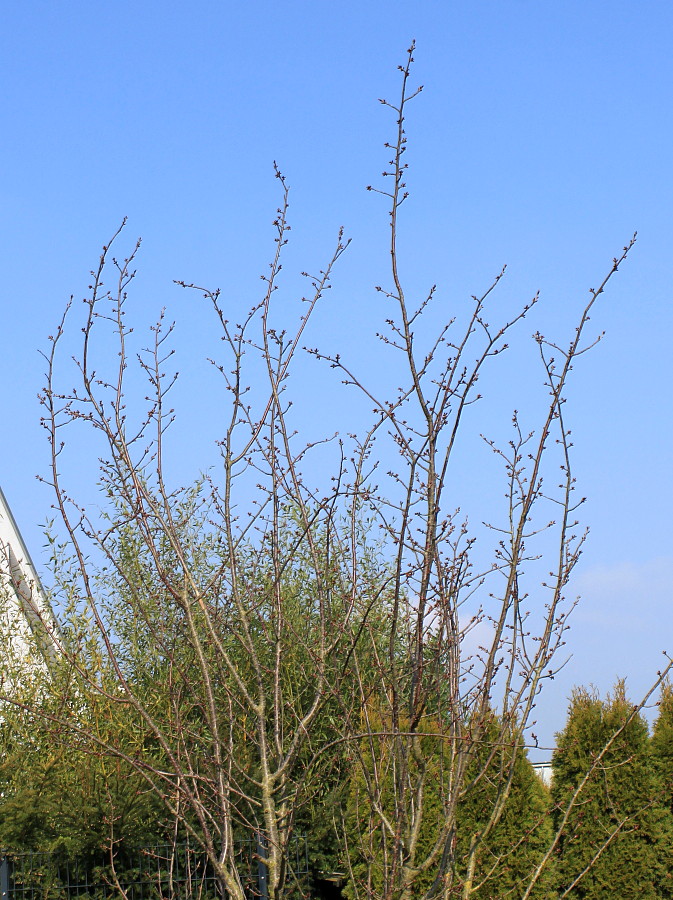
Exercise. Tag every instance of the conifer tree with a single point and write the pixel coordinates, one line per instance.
(661, 749)
(511, 851)
(612, 845)
(508, 849)
(662, 744)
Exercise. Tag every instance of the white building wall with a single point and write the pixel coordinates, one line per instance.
(26, 619)
(543, 770)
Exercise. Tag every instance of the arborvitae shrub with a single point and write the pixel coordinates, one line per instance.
(615, 836)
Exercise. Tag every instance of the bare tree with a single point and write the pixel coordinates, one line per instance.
(244, 620)
(425, 724)
(251, 630)
(434, 702)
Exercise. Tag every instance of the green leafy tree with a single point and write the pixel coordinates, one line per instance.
(82, 733)
(78, 808)
(161, 649)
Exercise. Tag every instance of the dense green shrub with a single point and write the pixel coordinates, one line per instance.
(615, 842)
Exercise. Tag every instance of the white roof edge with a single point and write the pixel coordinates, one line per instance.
(6, 511)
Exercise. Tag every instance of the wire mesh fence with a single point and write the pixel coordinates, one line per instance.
(160, 872)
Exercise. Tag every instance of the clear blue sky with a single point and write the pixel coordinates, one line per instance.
(543, 139)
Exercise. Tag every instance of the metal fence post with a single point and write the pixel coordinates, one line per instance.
(4, 878)
(262, 871)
